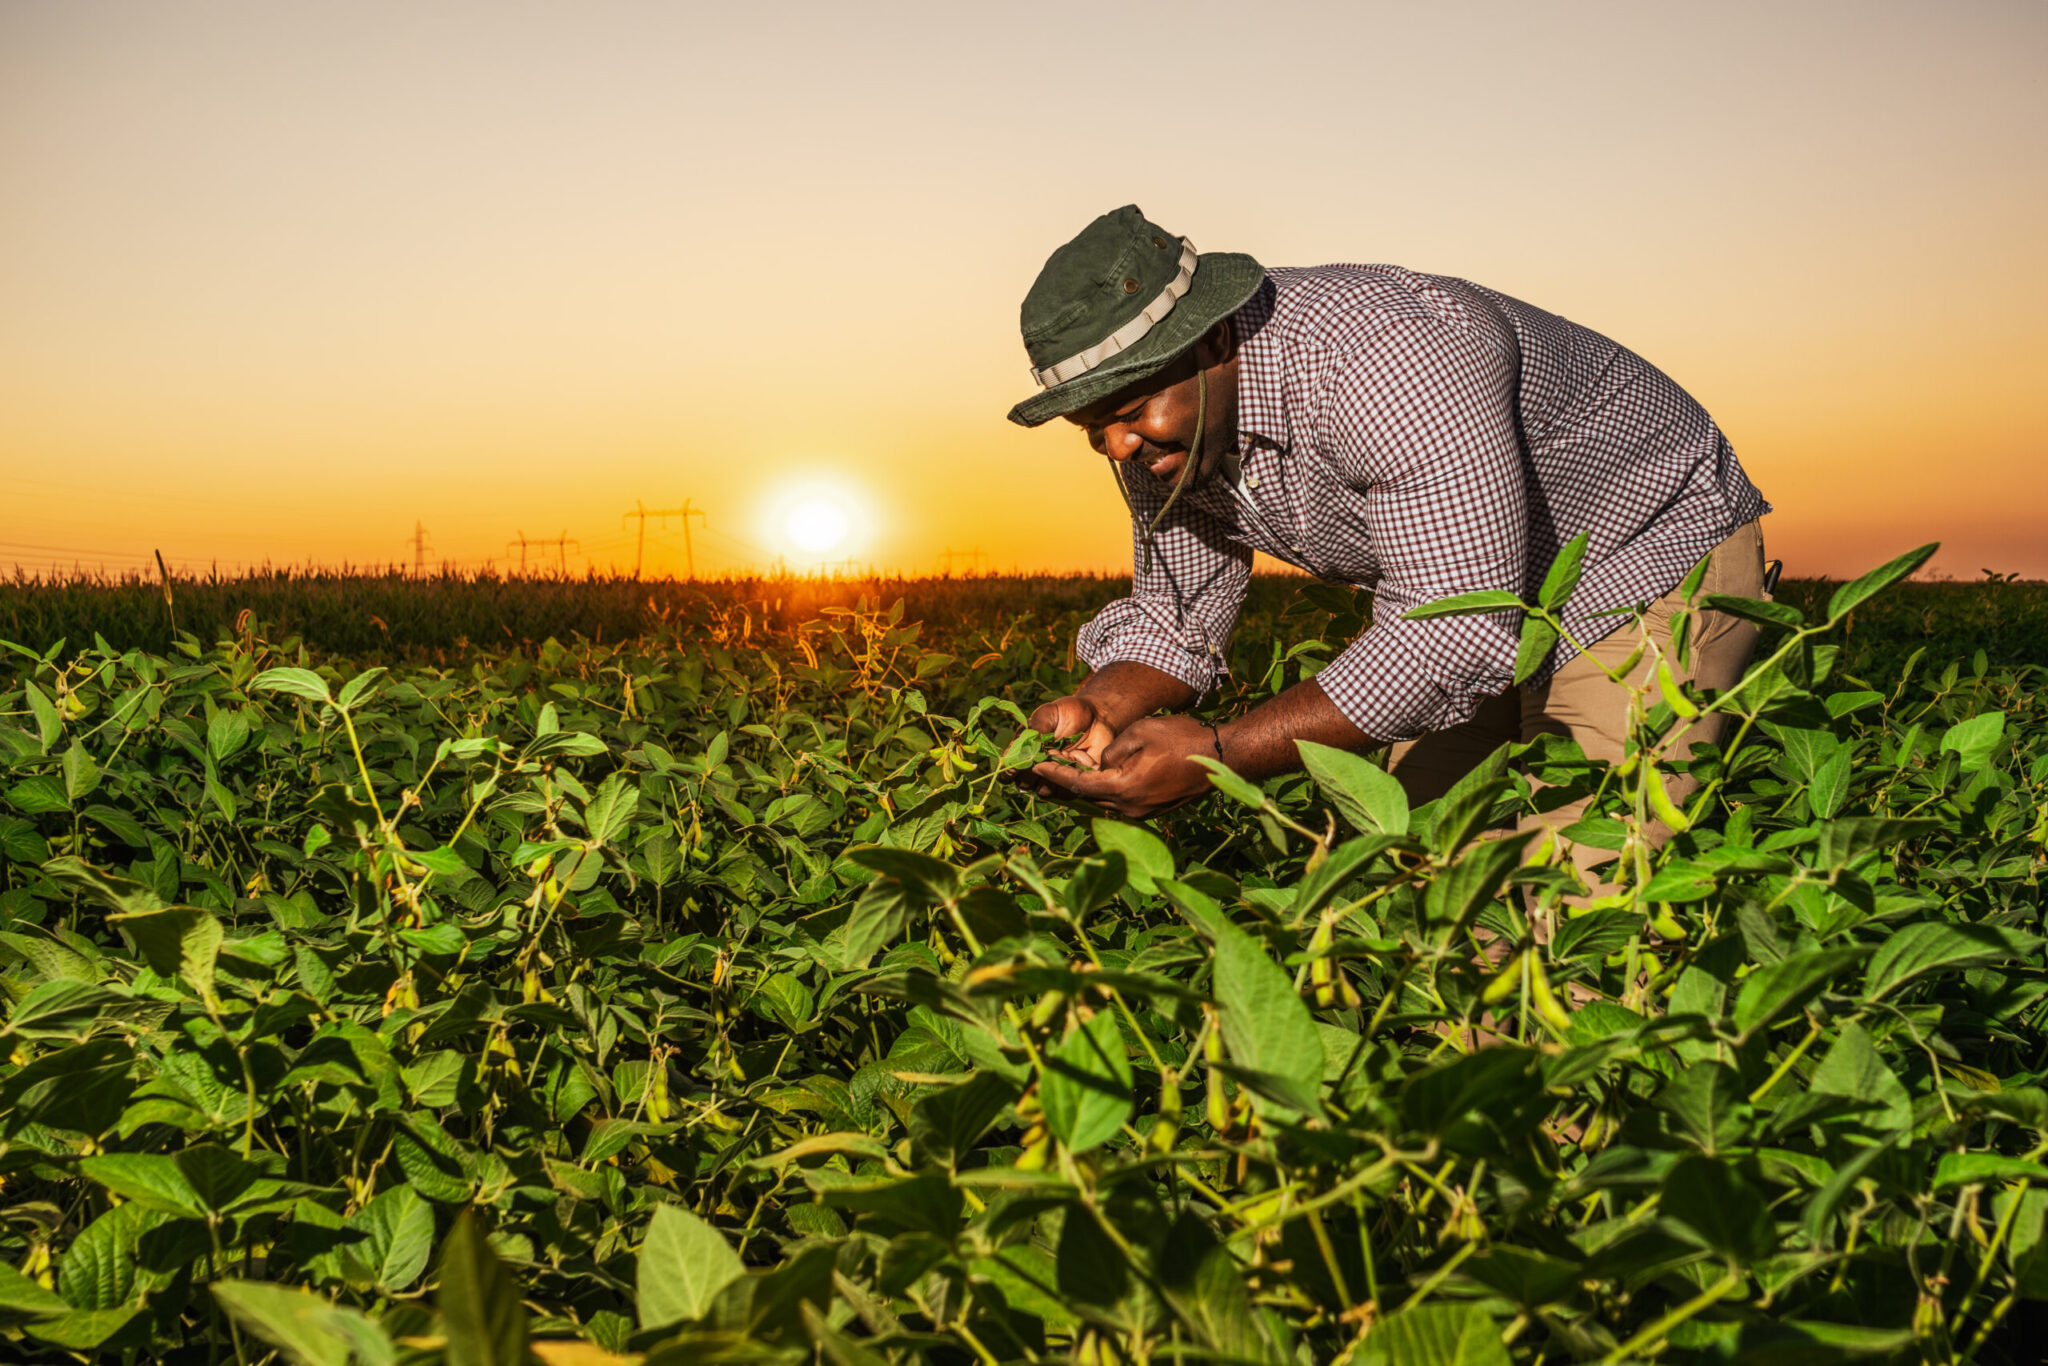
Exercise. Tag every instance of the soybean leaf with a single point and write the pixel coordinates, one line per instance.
(1563, 578)
(150, 1180)
(1937, 946)
(305, 1327)
(399, 1237)
(1086, 1092)
(1364, 794)
(359, 688)
(1972, 741)
(1831, 783)
(1230, 784)
(946, 1124)
(1853, 1069)
(296, 682)
(480, 1308)
(1147, 860)
(180, 941)
(48, 724)
(1538, 638)
(1440, 1335)
(1858, 591)
(1774, 989)
(1712, 1202)
(1465, 605)
(1707, 1106)
(1755, 610)
(1266, 1026)
(684, 1263)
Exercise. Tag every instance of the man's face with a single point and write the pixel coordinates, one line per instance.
(1152, 423)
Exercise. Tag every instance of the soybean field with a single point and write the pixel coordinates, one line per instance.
(586, 971)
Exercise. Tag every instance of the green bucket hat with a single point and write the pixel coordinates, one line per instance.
(1119, 302)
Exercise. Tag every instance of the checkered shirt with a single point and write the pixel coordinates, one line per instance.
(1423, 436)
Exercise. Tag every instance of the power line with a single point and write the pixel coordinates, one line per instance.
(418, 542)
(643, 512)
(976, 557)
(561, 544)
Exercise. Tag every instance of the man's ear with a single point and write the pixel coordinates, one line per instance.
(1216, 345)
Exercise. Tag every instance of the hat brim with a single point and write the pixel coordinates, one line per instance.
(1223, 283)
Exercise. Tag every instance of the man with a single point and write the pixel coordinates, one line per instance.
(1419, 435)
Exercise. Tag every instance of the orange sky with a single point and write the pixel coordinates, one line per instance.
(278, 280)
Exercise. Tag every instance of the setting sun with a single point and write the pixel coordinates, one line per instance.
(817, 526)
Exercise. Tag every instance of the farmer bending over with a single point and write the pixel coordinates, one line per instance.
(1418, 435)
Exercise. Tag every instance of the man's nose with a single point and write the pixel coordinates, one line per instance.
(1121, 442)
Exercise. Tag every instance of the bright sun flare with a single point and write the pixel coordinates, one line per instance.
(816, 526)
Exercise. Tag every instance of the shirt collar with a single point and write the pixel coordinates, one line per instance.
(1261, 413)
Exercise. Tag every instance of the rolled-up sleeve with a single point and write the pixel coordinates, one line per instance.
(1184, 605)
(1422, 420)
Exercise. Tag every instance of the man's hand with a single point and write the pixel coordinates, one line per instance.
(1076, 715)
(1147, 769)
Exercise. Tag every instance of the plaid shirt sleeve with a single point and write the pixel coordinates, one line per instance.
(1183, 607)
(1422, 421)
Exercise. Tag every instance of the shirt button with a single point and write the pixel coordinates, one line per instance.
(1253, 481)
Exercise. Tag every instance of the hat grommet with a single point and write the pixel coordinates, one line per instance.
(1131, 285)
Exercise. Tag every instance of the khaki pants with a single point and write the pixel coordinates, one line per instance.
(1581, 702)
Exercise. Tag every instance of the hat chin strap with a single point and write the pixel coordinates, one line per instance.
(1129, 334)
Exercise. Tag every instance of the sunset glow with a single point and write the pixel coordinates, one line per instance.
(283, 282)
(816, 526)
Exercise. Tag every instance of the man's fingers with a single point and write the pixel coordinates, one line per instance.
(1062, 716)
(1092, 784)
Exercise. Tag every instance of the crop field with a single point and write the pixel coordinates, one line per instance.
(489, 971)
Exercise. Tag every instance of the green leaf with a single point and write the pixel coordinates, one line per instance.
(1974, 740)
(1967, 1169)
(946, 1124)
(1266, 1025)
(1756, 611)
(1852, 1068)
(181, 942)
(1086, 1091)
(1465, 605)
(359, 688)
(81, 774)
(1226, 781)
(1858, 591)
(306, 1328)
(1937, 946)
(481, 1312)
(1563, 577)
(1708, 1106)
(933, 879)
(684, 1263)
(1538, 638)
(149, 1179)
(1147, 860)
(226, 733)
(91, 1329)
(611, 810)
(398, 1229)
(1776, 988)
(1438, 1335)
(1710, 1200)
(1831, 783)
(20, 1295)
(297, 682)
(48, 724)
(1364, 794)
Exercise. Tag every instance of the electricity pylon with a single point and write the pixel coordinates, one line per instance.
(418, 542)
(561, 544)
(976, 557)
(643, 512)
